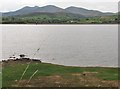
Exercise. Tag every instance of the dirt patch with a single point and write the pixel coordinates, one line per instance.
(76, 74)
(89, 73)
(78, 80)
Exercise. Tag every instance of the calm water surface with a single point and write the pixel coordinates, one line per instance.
(77, 45)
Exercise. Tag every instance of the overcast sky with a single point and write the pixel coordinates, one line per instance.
(102, 5)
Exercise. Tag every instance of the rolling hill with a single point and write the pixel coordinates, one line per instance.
(55, 9)
(86, 12)
(51, 14)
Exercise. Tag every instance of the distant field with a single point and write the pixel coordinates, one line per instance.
(51, 75)
(59, 18)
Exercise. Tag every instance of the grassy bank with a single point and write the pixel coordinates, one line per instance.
(50, 75)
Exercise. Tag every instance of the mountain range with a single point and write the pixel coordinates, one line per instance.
(54, 9)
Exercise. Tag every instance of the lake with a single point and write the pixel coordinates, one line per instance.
(71, 45)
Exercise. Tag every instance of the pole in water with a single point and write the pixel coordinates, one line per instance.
(36, 52)
(38, 49)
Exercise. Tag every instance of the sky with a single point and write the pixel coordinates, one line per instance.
(101, 5)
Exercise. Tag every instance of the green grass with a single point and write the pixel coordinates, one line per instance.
(0, 77)
(14, 72)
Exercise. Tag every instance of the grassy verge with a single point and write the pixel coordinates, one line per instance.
(76, 76)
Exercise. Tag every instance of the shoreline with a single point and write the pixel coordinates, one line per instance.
(55, 24)
(76, 65)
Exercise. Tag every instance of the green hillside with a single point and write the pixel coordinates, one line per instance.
(43, 18)
(59, 18)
